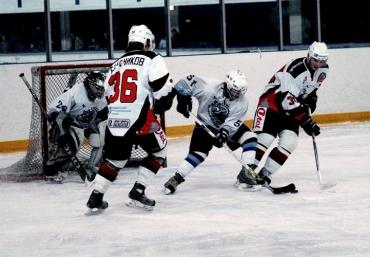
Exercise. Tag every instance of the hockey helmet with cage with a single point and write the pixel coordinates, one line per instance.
(318, 51)
(236, 84)
(142, 34)
(94, 84)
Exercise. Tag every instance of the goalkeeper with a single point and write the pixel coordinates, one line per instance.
(79, 112)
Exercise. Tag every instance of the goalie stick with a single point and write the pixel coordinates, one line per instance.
(66, 147)
(275, 190)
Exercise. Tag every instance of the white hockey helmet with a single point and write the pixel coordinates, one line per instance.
(318, 51)
(142, 34)
(236, 84)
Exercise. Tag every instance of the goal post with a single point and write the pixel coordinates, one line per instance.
(48, 82)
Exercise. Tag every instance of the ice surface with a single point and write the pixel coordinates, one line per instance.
(207, 216)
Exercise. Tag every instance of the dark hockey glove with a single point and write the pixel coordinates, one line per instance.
(220, 138)
(310, 101)
(310, 127)
(164, 103)
(184, 105)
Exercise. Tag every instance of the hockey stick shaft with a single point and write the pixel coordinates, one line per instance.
(35, 97)
(316, 158)
(201, 123)
(67, 149)
(275, 190)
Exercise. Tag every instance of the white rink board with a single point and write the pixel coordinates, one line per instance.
(345, 90)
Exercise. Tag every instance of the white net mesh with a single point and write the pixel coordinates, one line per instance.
(48, 82)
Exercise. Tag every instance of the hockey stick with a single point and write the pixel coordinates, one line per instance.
(319, 176)
(66, 147)
(275, 190)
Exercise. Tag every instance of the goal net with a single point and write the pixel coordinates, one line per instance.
(48, 82)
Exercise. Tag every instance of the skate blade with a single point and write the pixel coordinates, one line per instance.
(52, 180)
(138, 205)
(324, 186)
(97, 211)
(88, 183)
(166, 191)
(247, 188)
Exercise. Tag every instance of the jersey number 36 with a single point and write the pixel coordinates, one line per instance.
(125, 88)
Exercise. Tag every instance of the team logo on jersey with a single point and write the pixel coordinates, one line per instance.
(87, 117)
(119, 123)
(218, 112)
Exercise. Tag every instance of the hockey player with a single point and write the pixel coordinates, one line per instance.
(286, 104)
(223, 108)
(77, 113)
(139, 86)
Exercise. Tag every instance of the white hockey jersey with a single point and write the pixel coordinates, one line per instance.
(132, 84)
(292, 82)
(214, 108)
(78, 106)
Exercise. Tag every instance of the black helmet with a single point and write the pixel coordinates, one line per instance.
(94, 84)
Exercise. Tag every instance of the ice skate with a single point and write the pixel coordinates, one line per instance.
(171, 185)
(96, 204)
(138, 199)
(246, 179)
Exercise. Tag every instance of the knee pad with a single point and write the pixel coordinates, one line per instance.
(264, 140)
(77, 135)
(247, 137)
(288, 140)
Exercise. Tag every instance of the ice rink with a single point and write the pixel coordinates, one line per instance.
(207, 216)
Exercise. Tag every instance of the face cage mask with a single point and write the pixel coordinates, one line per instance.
(233, 93)
(97, 90)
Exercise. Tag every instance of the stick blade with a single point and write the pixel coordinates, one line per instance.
(325, 186)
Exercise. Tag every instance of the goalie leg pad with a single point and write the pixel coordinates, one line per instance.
(77, 137)
(94, 140)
